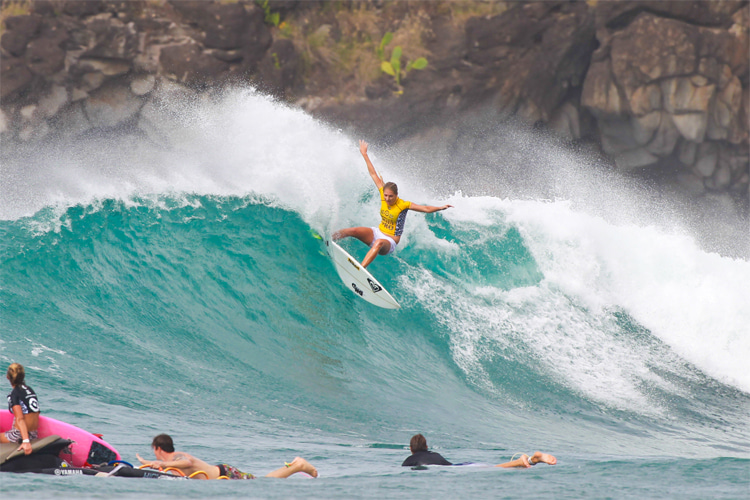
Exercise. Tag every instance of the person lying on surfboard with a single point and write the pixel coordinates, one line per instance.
(168, 458)
(383, 239)
(420, 456)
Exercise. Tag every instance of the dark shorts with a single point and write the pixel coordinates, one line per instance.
(233, 472)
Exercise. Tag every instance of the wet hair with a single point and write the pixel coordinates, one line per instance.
(391, 186)
(163, 442)
(16, 374)
(418, 443)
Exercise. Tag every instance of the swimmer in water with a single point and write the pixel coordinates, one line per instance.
(168, 458)
(421, 456)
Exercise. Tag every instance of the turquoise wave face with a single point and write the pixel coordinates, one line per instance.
(178, 304)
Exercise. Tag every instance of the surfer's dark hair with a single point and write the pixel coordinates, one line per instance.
(163, 442)
(392, 186)
(418, 443)
(15, 374)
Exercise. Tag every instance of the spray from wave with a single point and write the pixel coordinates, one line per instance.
(548, 278)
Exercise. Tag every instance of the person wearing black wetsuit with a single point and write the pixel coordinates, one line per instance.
(420, 455)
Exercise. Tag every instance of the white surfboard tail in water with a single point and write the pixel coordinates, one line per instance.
(358, 279)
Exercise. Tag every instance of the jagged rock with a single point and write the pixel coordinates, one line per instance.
(51, 103)
(619, 14)
(691, 183)
(736, 156)
(726, 111)
(380, 88)
(682, 95)
(16, 77)
(58, 30)
(538, 57)
(230, 56)
(692, 125)
(44, 57)
(279, 69)
(187, 64)
(111, 39)
(635, 158)
(566, 122)
(81, 9)
(707, 157)
(106, 67)
(143, 84)
(72, 122)
(111, 105)
(645, 100)
(77, 94)
(147, 60)
(652, 48)
(600, 93)
(665, 138)
(92, 81)
(227, 26)
(644, 126)
(740, 30)
(660, 63)
(616, 135)
(19, 31)
(687, 152)
(721, 178)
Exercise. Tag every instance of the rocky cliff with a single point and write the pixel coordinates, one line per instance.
(662, 88)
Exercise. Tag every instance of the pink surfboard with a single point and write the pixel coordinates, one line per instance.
(86, 447)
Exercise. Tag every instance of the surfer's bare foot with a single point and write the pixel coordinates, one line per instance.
(302, 465)
(542, 457)
(299, 464)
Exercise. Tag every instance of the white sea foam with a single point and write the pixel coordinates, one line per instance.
(595, 255)
(693, 301)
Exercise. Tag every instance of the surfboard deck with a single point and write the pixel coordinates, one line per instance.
(358, 279)
(86, 447)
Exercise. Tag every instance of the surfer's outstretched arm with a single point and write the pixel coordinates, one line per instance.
(370, 168)
(428, 209)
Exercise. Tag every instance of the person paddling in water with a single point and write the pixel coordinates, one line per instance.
(382, 240)
(168, 458)
(421, 456)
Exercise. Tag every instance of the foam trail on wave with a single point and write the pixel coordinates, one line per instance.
(692, 300)
(570, 323)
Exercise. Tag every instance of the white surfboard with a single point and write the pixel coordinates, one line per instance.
(358, 279)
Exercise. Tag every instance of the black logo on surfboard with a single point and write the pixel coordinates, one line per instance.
(375, 287)
(357, 290)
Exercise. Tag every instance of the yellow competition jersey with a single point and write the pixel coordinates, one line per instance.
(393, 218)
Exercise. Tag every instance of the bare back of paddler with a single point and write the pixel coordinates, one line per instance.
(167, 457)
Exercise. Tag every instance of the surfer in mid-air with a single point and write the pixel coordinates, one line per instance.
(383, 239)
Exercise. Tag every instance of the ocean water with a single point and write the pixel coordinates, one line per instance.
(173, 282)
